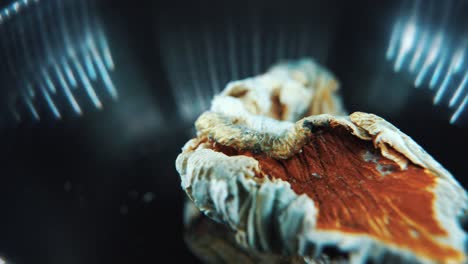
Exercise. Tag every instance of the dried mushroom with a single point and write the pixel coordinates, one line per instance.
(288, 91)
(214, 242)
(295, 188)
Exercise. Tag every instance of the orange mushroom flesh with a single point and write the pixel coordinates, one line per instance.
(358, 191)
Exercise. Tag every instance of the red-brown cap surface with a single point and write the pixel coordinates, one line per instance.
(354, 182)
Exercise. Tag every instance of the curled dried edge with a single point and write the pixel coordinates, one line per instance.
(214, 242)
(288, 91)
(268, 215)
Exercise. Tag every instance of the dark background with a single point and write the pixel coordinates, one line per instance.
(73, 191)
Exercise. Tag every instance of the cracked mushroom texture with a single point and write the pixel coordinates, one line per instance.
(293, 184)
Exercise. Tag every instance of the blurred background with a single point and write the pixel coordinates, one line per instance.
(98, 97)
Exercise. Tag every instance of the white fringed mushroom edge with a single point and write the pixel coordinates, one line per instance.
(267, 215)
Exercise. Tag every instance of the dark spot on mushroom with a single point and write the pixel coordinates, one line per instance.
(385, 169)
(257, 149)
(238, 92)
(277, 108)
(314, 128)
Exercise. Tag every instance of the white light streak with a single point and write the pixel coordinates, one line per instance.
(66, 89)
(16, 6)
(419, 51)
(440, 65)
(103, 44)
(392, 47)
(458, 60)
(459, 90)
(407, 42)
(31, 107)
(103, 72)
(69, 73)
(408, 37)
(30, 90)
(443, 87)
(89, 64)
(87, 84)
(48, 81)
(50, 102)
(454, 66)
(459, 110)
(432, 55)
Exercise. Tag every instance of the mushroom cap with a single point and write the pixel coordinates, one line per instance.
(288, 91)
(356, 183)
(214, 242)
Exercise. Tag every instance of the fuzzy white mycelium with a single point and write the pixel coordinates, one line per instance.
(272, 114)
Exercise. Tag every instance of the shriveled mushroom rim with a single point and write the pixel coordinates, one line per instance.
(278, 139)
(282, 139)
(399, 206)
